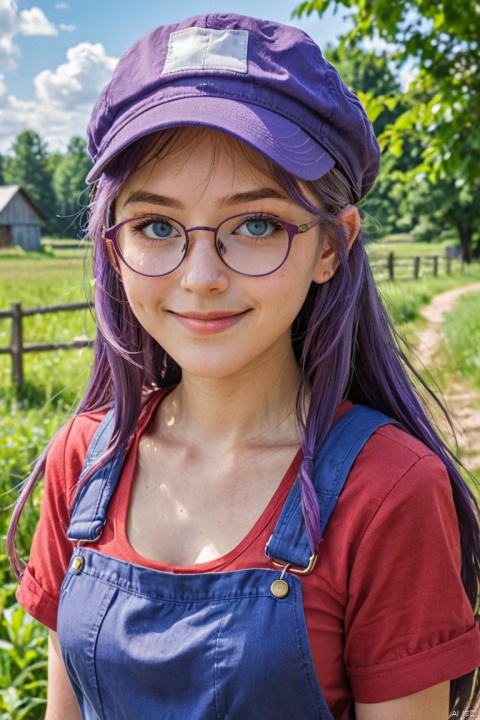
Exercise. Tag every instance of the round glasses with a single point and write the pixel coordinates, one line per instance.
(253, 244)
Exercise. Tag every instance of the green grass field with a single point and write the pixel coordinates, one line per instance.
(461, 351)
(403, 248)
(405, 299)
(51, 377)
(54, 383)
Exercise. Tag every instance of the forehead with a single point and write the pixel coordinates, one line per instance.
(183, 157)
(185, 139)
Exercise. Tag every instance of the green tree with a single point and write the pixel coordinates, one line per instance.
(440, 211)
(69, 172)
(27, 166)
(438, 42)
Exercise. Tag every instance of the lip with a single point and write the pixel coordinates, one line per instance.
(209, 322)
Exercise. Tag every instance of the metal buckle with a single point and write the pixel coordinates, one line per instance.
(300, 571)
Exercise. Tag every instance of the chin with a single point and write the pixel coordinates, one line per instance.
(209, 372)
(213, 367)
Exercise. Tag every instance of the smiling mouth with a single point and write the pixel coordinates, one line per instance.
(209, 322)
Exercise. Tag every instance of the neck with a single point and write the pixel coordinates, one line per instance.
(257, 408)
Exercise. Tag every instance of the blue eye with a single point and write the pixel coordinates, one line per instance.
(257, 227)
(160, 230)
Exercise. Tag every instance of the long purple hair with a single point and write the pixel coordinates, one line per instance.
(343, 340)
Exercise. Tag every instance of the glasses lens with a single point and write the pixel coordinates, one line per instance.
(253, 244)
(152, 245)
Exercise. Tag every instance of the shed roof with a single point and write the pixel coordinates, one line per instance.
(7, 192)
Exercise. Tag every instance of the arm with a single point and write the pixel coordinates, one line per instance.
(62, 703)
(429, 704)
(401, 639)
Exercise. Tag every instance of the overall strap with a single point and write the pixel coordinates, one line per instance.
(288, 543)
(90, 507)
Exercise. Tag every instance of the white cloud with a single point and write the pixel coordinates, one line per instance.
(27, 22)
(3, 87)
(67, 28)
(63, 100)
(77, 81)
(8, 17)
(34, 22)
(62, 6)
(8, 52)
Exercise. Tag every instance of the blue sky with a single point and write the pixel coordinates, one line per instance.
(56, 55)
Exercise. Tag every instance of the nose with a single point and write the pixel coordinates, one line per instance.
(204, 272)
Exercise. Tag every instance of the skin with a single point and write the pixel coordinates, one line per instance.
(244, 379)
(196, 194)
(62, 703)
(232, 417)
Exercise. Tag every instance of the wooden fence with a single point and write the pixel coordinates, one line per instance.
(18, 348)
(399, 267)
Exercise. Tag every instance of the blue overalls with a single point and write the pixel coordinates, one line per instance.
(147, 644)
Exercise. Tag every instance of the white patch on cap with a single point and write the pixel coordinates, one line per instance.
(206, 49)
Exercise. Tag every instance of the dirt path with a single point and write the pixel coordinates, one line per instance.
(462, 400)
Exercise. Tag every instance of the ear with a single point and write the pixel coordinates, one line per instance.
(327, 263)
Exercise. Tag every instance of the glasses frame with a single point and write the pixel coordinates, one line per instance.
(110, 236)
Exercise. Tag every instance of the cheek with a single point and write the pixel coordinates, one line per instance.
(137, 285)
(142, 293)
(299, 275)
(286, 296)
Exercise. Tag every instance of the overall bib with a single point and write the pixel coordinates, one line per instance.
(148, 644)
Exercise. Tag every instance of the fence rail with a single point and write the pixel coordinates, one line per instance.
(400, 267)
(18, 348)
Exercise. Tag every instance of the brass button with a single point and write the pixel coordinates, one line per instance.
(78, 563)
(279, 588)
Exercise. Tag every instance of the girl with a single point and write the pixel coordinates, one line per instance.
(251, 515)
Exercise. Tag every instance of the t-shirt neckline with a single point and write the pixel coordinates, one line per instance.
(121, 498)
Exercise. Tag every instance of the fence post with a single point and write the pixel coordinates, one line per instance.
(391, 265)
(449, 265)
(416, 267)
(435, 266)
(16, 346)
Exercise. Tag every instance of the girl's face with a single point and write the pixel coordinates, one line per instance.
(214, 322)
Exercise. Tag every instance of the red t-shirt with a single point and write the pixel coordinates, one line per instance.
(385, 608)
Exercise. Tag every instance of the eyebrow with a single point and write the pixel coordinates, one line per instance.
(251, 195)
(142, 196)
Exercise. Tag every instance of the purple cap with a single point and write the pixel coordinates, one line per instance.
(261, 82)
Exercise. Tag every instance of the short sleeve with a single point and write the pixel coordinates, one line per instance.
(408, 623)
(51, 550)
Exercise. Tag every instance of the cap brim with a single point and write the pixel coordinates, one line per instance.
(272, 135)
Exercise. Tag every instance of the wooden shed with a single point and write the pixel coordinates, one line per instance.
(19, 219)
